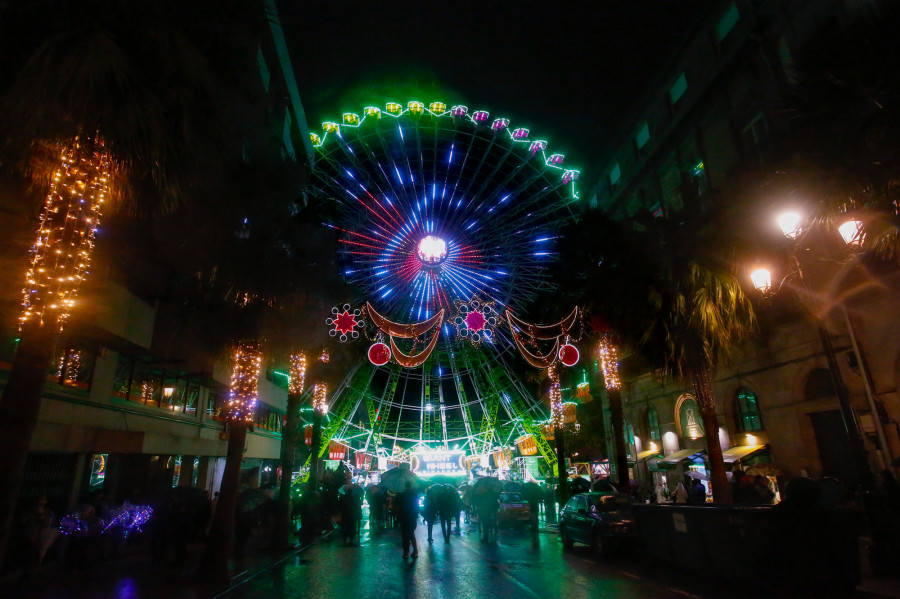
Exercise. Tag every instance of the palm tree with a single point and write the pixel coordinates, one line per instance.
(105, 101)
(698, 315)
(664, 287)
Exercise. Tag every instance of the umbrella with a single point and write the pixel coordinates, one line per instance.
(532, 492)
(487, 484)
(395, 480)
(578, 484)
(250, 499)
(443, 479)
(512, 486)
(695, 474)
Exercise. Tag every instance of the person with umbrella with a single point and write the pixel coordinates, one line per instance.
(350, 497)
(430, 508)
(449, 506)
(485, 500)
(407, 502)
(534, 495)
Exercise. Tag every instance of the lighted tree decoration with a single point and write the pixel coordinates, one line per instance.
(297, 381)
(556, 407)
(245, 381)
(609, 363)
(62, 251)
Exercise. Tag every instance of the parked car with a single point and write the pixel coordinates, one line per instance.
(514, 510)
(602, 520)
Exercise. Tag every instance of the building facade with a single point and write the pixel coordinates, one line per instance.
(721, 106)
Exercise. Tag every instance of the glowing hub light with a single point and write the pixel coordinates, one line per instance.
(437, 107)
(852, 232)
(432, 250)
(480, 116)
(762, 279)
(520, 133)
(393, 108)
(791, 224)
(350, 118)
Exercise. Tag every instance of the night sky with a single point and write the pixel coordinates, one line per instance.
(568, 71)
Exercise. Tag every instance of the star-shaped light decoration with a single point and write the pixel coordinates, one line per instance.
(345, 323)
(475, 320)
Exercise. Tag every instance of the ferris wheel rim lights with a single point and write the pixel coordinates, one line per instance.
(417, 109)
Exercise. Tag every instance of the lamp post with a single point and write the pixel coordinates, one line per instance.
(851, 231)
(791, 224)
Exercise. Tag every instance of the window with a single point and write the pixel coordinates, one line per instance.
(688, 420)
(642, 137)
(749, 417)
(677, 90)
(653, 424)
(727, 22)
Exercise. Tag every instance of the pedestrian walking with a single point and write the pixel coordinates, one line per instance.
(449, 506)
(697, 493)
(407, 503)
(681, 494)
(350, 497)
(430, 508)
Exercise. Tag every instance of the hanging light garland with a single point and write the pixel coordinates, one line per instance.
(297, 379)
(61, 254)
(320, 397)
(557, 414)
(245, 381)
(609, 361)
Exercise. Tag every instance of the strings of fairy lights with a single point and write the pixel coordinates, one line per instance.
(245, 381)
(61, 254)
(609, 362)
(557, 411)
(297, 380)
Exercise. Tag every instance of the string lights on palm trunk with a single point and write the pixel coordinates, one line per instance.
(62, 251)
(245, 381)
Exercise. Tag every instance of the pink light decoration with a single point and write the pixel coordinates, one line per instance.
(459, 111)
(570, 176)
(475, 321)
(500, 124)
(537, 146)
(480, 116)
(556, 159)
(519, 134)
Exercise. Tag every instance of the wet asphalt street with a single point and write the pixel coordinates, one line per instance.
(520, 565)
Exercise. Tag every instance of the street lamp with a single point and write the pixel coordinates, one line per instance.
(852, 233)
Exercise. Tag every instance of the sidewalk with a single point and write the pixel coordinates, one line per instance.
(134, 573)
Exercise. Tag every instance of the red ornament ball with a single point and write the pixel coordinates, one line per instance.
(568, 355)
(379, 354)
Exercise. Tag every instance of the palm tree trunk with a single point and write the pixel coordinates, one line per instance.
(282, 525)
(702, 379)
(617, 420)
(562, 473)
(221, 532)
(19, 408)
(315, 449)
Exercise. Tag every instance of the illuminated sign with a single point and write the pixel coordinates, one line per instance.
(450, 462)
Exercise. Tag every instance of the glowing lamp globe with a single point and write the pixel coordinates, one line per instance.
(432, 250)
(791, 224)
(568, 355)
(379, 354)
(762, 279)
(852, 232)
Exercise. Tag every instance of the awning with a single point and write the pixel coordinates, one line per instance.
(680, 456)
(738, 453)
(648, 454)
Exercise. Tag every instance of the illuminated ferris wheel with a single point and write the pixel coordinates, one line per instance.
(447, 215)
